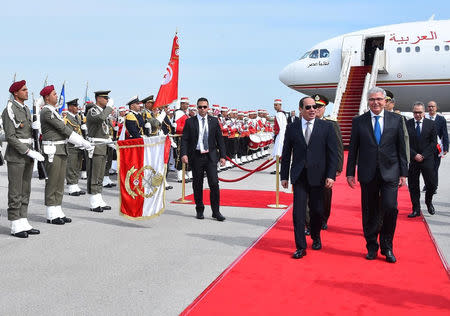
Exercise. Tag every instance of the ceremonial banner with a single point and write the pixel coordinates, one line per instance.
(168, 92)
(62, 100)
(142, 171)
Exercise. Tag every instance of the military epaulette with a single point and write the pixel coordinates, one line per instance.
(329, 118)
(131, 117)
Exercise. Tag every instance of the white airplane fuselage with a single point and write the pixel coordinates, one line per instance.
(417, 62)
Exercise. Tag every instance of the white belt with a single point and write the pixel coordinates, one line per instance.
(57, 142)
(26, 140)
(99, 140)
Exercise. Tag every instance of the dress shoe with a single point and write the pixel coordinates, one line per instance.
(74, 194)
(430, 208)
(307, 231)
(97, 209)
(371, 255)
(56, 221)
(324, 226)
(113, 184)
(389, 256)
(169, 187)
(66, 219)
(300, 253)
(23, 234)
(317, 244)
(82, 192)
(109, 185)
(273, 172)
(106, 207)
(414, 214)
(219, 217)
(199, 216)
(33, 231)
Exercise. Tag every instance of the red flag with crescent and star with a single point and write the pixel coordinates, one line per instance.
(168, 92)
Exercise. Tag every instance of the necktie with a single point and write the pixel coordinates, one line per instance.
(307, 132)
(377, 129)
(205, 135)
(418, 129)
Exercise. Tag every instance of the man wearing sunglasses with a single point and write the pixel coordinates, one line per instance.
(202, 146)
(312, 144)
(377, 147)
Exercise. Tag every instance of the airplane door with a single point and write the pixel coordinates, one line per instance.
(353, 44)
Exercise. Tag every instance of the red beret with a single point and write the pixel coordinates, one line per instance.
(47, 90)
(16, 86)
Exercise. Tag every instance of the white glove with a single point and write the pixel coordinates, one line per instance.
(36, 125)
(161, 117)
(110, 103)
(116, 128)
(35, 155)
(87, 145)
(147, 125)
(83, 127)
(79, 141)
(112, 145)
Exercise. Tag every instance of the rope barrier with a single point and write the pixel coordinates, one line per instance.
(240, 167)
(247, 175)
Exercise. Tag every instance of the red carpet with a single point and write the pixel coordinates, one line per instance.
(245, 198)
(336, 280)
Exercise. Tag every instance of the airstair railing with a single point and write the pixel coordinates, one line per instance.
(342, 85)
(370, 82)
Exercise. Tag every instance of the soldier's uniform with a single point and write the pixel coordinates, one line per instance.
(17, 122)
(75, 154)
(55, 135)
(98, 133)
(134, 122)
(179, 120)
(110, 152)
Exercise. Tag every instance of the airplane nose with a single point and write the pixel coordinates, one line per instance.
(286, 75)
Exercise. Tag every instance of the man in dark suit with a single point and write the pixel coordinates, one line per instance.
(377, 146)
(441, 131)
(292, 118)
(202, 146)
(312, 145)
(422, 139)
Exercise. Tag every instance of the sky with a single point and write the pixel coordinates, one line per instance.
(231, 52)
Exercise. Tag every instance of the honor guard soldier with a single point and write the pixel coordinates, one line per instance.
(75, 154)
(134, 123)
(147, 114)
(20, 157)
(98, 133)
(322, 102)
(55, 134)
(179, 119)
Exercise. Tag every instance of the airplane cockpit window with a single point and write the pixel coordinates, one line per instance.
(447, 48)
(314, 54)
(399, 49)
(305, 55)
(417, 49)
(436, 48)
(324, 53)
(407, 49)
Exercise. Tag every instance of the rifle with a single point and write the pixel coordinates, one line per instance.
(37, 145)
(11, 98)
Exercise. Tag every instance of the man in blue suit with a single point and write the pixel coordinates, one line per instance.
(312, 144)
(441, 131)
(377, 147)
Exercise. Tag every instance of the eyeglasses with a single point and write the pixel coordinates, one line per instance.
(308, 107)
(376, 99)
(417, 112)
(202, 107)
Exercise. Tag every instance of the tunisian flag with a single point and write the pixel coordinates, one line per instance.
(168, 92)
(142, 172)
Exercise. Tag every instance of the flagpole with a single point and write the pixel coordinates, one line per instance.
(277, 186)
(182, 200)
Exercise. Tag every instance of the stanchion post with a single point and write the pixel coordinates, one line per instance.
(277, 185)
(182, 200)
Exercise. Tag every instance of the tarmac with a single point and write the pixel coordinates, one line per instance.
(105, 264)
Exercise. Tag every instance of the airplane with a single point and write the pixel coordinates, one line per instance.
(414, 62)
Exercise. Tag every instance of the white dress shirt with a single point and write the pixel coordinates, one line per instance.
(310, 127)
(201, 131)
(380, 120)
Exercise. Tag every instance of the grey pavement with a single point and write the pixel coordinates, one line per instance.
(104, 264)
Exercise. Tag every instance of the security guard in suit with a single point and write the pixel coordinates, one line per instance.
(55, 135)
(134, 123)
(98, 133)
(75, 154)
(20, 157)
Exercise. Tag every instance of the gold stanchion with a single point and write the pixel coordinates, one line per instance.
(182, 200)
(277, 193)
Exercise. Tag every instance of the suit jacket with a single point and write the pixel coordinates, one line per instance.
(340, 144)
(215, 140)
(425, 144)
(441, 130)
(292, 119)
(319, 157)
(389, 156)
